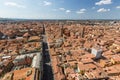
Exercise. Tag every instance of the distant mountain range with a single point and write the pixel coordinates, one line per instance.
(18, 19)
(10, 19)
(5, 18)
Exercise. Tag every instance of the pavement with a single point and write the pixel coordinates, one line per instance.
(47, 68)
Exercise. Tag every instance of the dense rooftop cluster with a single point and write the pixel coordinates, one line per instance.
(20, 50)
(79, 50)
(84, 52)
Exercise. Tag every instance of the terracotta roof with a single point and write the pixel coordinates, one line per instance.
(26, 73)
(89, 66)
(26, 35)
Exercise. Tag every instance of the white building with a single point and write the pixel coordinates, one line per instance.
(97, 51)
(36, 62)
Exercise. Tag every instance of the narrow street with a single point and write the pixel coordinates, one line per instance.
(47, 69)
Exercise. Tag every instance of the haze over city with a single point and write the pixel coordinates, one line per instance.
(60, 9)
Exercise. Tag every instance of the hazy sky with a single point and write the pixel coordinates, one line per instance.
(60, 9)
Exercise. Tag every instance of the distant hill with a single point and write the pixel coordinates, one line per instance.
(10, 19)
(5, 18)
